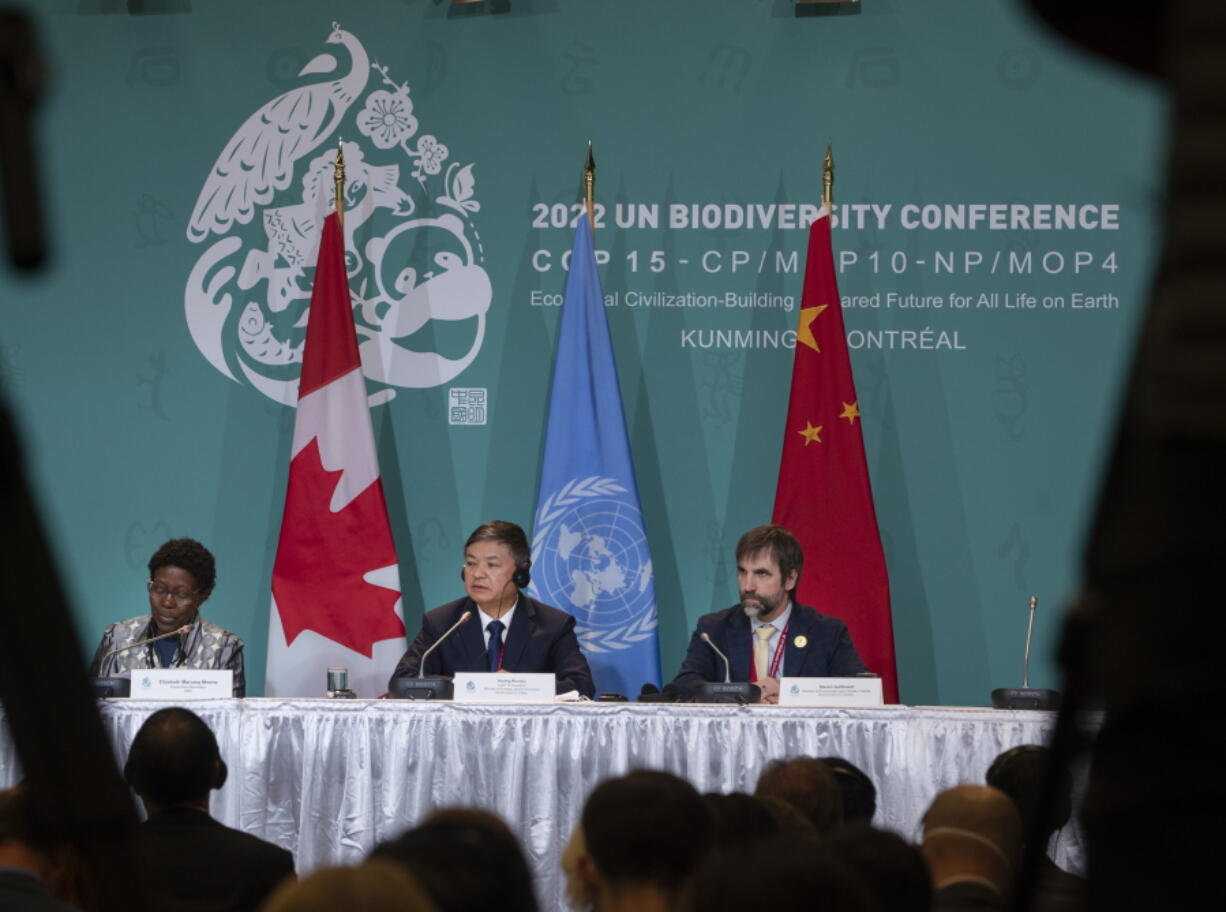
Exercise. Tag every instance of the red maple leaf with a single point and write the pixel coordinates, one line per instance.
(322, 557)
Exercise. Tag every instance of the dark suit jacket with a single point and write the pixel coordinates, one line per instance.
(828, 651)
(24, 892)
(194, 863)
(540, 639)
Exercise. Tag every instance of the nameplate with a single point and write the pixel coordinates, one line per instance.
(830, 692)
(502, 687)
(182, 684)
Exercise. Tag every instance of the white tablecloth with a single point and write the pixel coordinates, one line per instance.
(328, 779)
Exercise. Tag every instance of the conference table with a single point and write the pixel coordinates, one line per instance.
(329, 779)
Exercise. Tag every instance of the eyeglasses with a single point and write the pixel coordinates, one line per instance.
(180, 596)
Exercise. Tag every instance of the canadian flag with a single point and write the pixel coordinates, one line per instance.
(335, 583)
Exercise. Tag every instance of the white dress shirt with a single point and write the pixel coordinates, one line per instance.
(506, 623)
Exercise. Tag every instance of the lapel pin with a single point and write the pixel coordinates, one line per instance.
(801, 641)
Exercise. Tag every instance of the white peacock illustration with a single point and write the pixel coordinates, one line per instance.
(413, 256)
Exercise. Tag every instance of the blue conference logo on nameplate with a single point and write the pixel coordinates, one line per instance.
(590, 558)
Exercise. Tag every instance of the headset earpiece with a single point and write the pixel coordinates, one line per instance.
(521, 578)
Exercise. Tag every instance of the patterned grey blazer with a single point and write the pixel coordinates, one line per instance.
(205, 646)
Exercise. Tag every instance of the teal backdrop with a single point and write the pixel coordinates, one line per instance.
(148, 403)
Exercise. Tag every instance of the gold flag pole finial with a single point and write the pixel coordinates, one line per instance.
(828, 177)
(589, 186)
(338, 180)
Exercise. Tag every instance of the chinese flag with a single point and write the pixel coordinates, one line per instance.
(824, 496)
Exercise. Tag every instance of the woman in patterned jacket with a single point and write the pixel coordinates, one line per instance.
(181, 578)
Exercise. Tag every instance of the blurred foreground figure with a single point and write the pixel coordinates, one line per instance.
(857, 790)
(972, 843)
(28, 869)
(737, 819)
(640, 840)
(808, 785)
(466, 860)
(1148, 634)
(778, 874)
(376, 886)
(1020, 773)
(893, 870)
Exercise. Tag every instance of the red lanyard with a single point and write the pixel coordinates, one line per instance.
(776, 660)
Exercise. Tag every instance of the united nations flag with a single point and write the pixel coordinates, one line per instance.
(589, 552)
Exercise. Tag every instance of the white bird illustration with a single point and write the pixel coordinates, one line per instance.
(259, 159)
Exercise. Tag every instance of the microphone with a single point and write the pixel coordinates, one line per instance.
(439, 642)
(182, 631)
(1034, 603)
(1026, 697)
(435, 687)
(706, 638)
(741, 692)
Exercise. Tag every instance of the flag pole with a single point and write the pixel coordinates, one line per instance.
(589, 187)
(338, 179)
(828, 177)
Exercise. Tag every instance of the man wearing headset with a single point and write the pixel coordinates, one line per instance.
(508, 631)
(193, 863)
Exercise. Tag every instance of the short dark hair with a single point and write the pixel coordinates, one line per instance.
(892, 869)
(808, 785)
(789, 875)
(738, 818)
(174, 758)
(788, 818)
(507, 533)
(1020, 773)
(647, 828)
(859, 793)
(784, 549)
(466, 860)
(187, 554)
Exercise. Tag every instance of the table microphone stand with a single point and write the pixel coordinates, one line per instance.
(1026, 697)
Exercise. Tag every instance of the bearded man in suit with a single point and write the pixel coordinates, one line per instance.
(768, 635)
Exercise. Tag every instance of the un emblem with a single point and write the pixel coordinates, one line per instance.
(590, 558)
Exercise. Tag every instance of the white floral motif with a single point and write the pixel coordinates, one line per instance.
(270, 278)
(388, 118)
(431, 154)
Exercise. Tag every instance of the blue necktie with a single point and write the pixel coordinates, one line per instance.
(494, 650)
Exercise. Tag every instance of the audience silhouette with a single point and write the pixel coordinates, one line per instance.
(193, 863)
(645, 842)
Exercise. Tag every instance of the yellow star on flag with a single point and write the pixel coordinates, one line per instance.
(811, 433)
(804, 334)
(851, 411)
